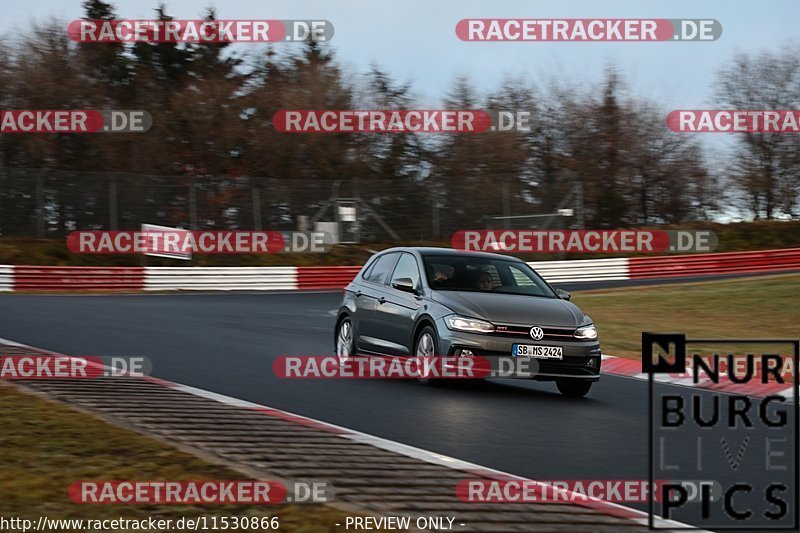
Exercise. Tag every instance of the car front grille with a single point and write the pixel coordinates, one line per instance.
(523, 332)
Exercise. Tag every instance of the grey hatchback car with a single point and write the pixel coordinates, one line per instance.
(440, 301)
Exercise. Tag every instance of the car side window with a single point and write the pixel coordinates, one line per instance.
(368, 270)
(523, 281)
(520, 279)
(379, 273)
(407, 268)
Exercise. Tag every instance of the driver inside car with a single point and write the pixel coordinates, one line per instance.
(485, 282)
(443, 276)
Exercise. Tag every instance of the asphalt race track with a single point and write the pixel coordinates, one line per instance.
(226, 343)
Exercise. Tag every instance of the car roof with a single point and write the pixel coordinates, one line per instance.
(431, 250)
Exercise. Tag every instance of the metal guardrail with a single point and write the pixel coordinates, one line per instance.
(220, 278)
(46, 278)
(325, 277)
(583, 270)
(715, 264)
(6, 278)
(132, 279)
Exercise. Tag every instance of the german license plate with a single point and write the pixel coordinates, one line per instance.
(531, 350)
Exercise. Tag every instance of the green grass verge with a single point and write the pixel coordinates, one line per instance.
(46, 446)
(759, 307)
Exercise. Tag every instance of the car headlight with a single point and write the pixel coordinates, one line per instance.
(586, 332)
(461, 323)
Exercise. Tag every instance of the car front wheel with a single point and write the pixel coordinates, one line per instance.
(344, 340)
(573, 388)
(425, 347)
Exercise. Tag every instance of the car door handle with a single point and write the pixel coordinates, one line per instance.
(358, 293)
(381, 300)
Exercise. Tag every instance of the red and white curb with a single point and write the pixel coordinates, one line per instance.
(294, 278)
(631, 368)
(608, 508)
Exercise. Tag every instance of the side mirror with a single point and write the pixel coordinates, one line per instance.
(404, 284)
(564, 295)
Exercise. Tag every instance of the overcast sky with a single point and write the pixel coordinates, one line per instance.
(415, 39)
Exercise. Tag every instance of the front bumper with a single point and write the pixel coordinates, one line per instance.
(581, 359)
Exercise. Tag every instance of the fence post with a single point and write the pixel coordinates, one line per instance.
(506, 204)
(112, 203)
(192, 205)
(40, 204)
(256, 208)
(435, 214)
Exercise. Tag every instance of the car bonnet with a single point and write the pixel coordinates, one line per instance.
(511, 308)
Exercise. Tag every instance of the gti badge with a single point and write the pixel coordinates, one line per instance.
(537, 333)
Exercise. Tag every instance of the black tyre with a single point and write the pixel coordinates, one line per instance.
(426, 345)
(573, 388)
(344, 340)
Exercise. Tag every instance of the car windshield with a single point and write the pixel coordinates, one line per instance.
(482, 274)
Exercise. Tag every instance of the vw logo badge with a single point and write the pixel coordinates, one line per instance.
(537, 333)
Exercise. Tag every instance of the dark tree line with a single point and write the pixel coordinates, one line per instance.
(765, 167)
(596, 148)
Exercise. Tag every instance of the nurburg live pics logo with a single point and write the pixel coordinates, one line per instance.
(741, 436)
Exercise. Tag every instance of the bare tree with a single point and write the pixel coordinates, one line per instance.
(765, 167)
